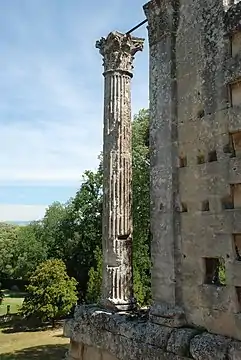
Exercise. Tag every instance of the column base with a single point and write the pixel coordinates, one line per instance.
(167, 315)
(116, 306)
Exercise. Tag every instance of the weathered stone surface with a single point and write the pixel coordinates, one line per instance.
(118, 51)
(234, 351)
(179, 341)
(209, 347)
(131, 336)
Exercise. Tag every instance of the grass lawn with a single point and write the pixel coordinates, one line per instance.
(39, 345)
(34, 345)
(15, 301)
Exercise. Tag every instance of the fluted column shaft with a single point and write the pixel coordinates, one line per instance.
(117, 288)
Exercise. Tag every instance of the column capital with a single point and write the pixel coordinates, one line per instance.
(160, 14)
(118, 51)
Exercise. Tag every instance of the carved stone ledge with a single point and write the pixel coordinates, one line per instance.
(133, 336)
(172, 316)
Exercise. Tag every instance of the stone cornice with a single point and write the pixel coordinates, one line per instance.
(118, 51)
(133, 337)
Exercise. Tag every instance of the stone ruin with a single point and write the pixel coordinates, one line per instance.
(195, 145)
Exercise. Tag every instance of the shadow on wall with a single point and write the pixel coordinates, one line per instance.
(44, 352)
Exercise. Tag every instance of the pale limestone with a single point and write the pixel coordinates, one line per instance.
(195, 146)
(118, 52)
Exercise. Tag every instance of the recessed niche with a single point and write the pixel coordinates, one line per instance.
(236, 195)
(183, 207)
(237, 246)
(238, 293)
(200, 159)
(236, 142)
(229, 148)
(182, 161)
(235, 43)
(215, 271)
(200, 114)
(227, 202)
(212, 156)
(235, 93)
(205, 205)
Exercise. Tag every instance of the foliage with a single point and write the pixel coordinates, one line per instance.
(72, 232)
(8, 236)
(141, 218)
(29, 252)
(141, 213)
(51, 292)
(95, 279)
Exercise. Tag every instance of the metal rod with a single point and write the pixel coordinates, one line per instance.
(136, 27)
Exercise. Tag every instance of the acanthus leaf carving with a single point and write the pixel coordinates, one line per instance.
(118, 51)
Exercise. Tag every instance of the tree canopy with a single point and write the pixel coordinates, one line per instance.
(71, 232)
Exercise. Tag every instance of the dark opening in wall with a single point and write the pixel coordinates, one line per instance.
(200, 114)
(236, 142)
(205, 205)
(237, 246)
(215, 271)
(235, 93)
(229, 148)
(183, 207)
(182, 161)
(238, 293)
(236, 195)
(200, 158)
(227, 202)
(212, 156)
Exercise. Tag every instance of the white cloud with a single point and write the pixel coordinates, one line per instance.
(51, 92)
(21, 212)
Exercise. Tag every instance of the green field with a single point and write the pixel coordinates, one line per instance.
(13, 299)
(38, 345)
(28, 345)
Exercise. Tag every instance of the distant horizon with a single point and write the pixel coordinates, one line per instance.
(20, 222)
(51, 103)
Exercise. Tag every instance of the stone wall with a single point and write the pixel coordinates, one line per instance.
(113, 336)
(80, 351)
(195, 151)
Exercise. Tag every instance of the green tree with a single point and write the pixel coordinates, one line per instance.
(51, 292)
(30, 251)
(141, 205)
(8, 243)
(95, 279)
(141, 218)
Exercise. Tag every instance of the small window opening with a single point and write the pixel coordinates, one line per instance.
(227, 202)
(212, 156)
(183, 207)
(215, 271)
(236, 142)
(200, 114)
(236, 195)
(205, 205)
(182, 161)
(237, 246)
(229, 148)
(200, 159)
(238, 293)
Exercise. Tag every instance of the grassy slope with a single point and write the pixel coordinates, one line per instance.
(11, 299)
(40, 345)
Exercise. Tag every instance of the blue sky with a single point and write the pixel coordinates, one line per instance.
(51, 92)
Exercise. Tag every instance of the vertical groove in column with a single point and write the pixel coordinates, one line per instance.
(118, 51)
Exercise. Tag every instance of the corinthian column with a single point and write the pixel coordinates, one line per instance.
(118, 52)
